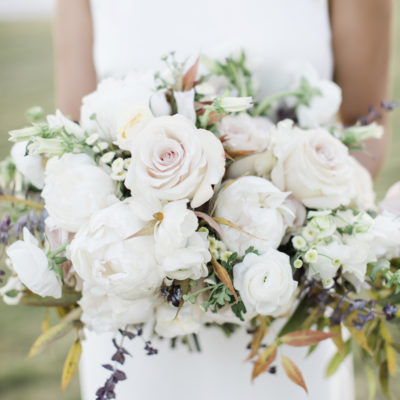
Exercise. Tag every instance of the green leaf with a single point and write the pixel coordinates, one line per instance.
(338, 358)
(296, 320)
(371, 381)
(384, 379)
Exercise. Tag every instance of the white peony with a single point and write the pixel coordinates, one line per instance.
(32, 267)
(75, 188)
(100, 109)
(170, 323)
(314, 166)
(181, 252)
(30, 165)
(105, 254)
(265, 282)
(173, 160)
(243, 132)
(59, 121)
(258, 208)
(107, 312)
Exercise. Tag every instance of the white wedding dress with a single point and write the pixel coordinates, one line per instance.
(133, 34)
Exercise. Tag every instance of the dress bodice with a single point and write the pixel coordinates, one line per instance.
(134, 34)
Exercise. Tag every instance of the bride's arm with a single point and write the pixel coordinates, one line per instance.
(74, 69)
(361, 42)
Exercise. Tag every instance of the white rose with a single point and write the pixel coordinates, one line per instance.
(170, 323)
(59, 121)
(30, 166)
(257, 207)
(265, 282)
(32, 267)
(185, 104)
(242, 132)
(111, 97)
(314, 166)
(173, 160)
(75, 188)
(105, 254)
(363, 186)
(181, 251)
(130, 122)
(107, 312)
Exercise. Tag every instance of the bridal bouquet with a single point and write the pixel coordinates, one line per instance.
(183, 199)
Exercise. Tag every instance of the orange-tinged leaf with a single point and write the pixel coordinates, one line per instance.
(267, 357)
(71, 364)
(338, 339)
(224, 276)
(305, 338)
(190, 76)
(209, 221)
(238, 153)
(257, 338)
(293, 372)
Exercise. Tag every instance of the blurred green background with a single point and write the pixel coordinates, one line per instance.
(26, 79)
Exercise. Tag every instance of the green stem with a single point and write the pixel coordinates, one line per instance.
(266, 103)
(56, 252)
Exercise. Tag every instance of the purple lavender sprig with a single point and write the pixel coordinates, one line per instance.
(375, 113)
(107, 391)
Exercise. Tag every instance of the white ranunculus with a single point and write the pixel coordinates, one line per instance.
(75, 188)
(30, 166)
(257, 207)
(170, 323)
(107, 312)
(243, 132)
(181, 252)
(185, 104)
(322, 108)
(364, 198)
(105, 254)
(314, 166)
(258, 164)
(58, 121)
(265, 282)
(130, 122)
(386, 235)
(173, 160)
(111, 97)
(32, 267)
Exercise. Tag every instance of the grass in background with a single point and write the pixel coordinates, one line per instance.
(26, 71)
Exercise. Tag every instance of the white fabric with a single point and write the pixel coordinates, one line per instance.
(133, 34)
